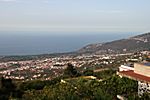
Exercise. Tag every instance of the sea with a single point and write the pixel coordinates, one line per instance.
(34, 43)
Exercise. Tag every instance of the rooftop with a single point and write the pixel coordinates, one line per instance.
(132, 75)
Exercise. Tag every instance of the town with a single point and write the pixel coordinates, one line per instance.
(49, 68)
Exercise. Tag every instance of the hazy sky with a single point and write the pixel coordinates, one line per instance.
(75, 15)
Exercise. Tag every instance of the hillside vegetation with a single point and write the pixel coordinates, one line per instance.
(72, 85)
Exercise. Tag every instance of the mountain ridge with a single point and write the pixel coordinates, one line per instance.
(131, 44)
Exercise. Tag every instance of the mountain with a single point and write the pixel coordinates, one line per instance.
(132, 44)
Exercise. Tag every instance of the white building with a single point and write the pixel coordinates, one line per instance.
(140, 73)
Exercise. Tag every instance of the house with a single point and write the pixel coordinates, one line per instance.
(140, 73)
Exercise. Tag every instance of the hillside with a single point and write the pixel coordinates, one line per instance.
(132, 44)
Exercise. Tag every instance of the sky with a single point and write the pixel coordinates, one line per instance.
(75, 15)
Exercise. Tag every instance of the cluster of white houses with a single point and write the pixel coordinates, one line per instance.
(140, 72)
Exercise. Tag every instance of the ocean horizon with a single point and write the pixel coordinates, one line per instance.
(34, 43)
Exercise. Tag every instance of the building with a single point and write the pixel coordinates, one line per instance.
(140, 73)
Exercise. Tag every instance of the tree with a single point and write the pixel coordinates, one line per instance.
(70, 71)
(7, 88)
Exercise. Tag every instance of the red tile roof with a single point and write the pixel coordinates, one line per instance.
(131, 74)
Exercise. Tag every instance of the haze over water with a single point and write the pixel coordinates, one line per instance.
(30, 43)
(49, 26)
